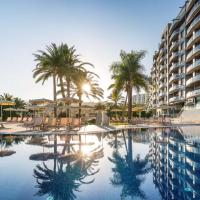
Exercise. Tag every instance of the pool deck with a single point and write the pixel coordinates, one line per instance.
(19, 129)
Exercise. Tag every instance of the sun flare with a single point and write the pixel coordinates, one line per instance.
(86, 87)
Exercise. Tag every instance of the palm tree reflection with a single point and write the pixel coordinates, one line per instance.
(67, 175)
(128, 172)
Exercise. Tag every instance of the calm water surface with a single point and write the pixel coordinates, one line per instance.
(161, 164)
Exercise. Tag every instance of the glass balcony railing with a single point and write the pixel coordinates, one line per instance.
(174, 77)
(196, 35)
(194, 65)
(175, 65)
(193, 80)
(162, 94)
(175, 88)
(174, 34)
(195, 50)
(176, 98)
(193, 93)
(196, 20)
(195, 7)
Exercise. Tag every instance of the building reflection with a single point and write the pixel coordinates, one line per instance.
(176, 164)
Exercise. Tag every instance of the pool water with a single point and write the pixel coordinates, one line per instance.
(156, 164)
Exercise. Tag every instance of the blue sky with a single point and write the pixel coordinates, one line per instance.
(99, 29)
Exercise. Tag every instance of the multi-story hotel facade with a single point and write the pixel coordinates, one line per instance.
(176, 65)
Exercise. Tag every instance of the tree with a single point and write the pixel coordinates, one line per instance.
(19, 103)
(86, 77)
(47, 66)
(6, 97)
(128, 74)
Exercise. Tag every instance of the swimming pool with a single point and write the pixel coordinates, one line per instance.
(152, 164)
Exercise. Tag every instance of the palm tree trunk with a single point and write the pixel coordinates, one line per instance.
(54, 94)
(62, 87)
(124, 108)
(68, 95)
(80, 105)
(129, 104)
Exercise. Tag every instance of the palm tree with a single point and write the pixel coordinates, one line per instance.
(47, 66)
(6, 97)
(128, 74)
(86, 77)
(19, 103)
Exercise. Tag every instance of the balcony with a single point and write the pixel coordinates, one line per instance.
(162, 94)
(193, 66)
(193, 25)
(175, 99)
(193, 93)
(176, 88)
(174, 45)
(175, 33)
(162, 76)
(193, 80)
(162, 67)
(162, 85)
(193, 10)
(175, 55)
(176, 77)
(193, 39)
(161, 103)
(193, 52)
(175, 66)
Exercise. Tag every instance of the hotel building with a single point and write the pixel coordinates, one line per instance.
(176, 65)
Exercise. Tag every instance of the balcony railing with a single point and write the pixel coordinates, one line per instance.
(176, 98)
(193, 93)
(174, 44)
(192, 52)
(162, 103)
(176, 76)
(175, 88)
(162, 94)
(162, 67)
(175, 65)
(194, 65)
(162, 85)
(196, 20)
(162, 76)
(195, 7)
(174, 34)
(193, 80)
(197, 34)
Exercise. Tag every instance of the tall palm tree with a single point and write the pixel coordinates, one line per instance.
(95, 91)
(128, 74)
(48, 63)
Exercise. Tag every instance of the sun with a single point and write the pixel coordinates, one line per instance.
(86, 87)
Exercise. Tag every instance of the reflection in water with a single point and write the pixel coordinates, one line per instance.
(7, 142)
(176, 164)
(128, 173)
(71, 169)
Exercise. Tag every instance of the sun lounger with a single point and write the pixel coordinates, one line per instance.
(14, 119)
(19, 119)
(38, 122)
(9, 119)
(24, 119)
(76, 123)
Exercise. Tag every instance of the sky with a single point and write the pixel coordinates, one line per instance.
(98, 29)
